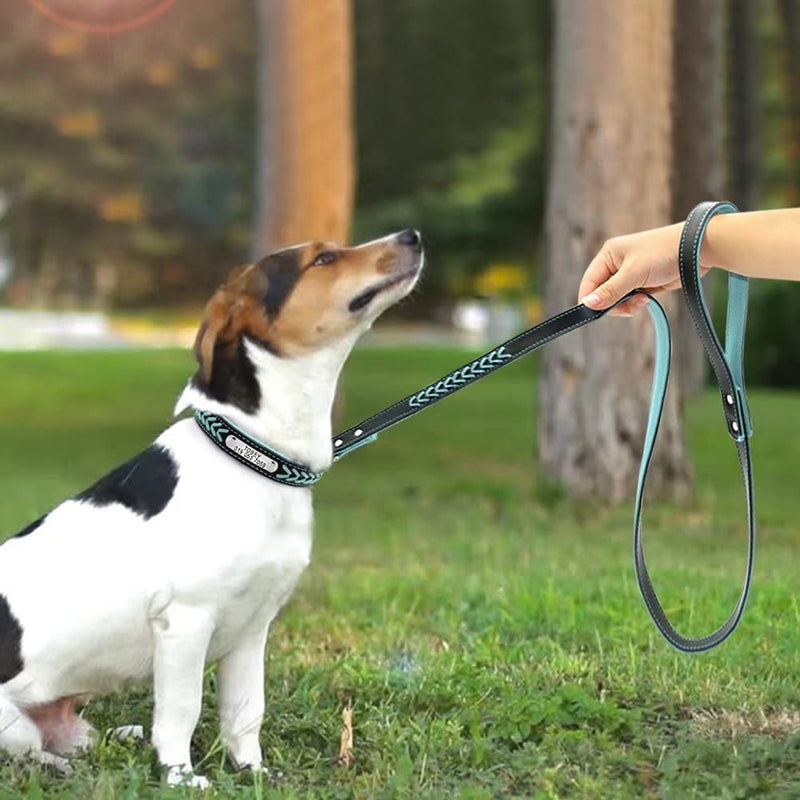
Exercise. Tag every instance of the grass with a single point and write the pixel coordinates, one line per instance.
(488, 633)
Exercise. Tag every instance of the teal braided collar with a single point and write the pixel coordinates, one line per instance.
(254, 454)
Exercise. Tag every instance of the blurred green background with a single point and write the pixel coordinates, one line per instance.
(128, 158)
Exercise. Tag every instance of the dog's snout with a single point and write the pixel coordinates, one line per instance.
(409, 237)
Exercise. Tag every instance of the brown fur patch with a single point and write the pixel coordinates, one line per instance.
(290, 305)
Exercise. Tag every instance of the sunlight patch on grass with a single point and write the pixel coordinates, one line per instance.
(730, 724)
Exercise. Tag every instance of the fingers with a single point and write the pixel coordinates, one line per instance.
(631, 307)
(601, 268)
(606, 294)
(645, 260)
(607, 278)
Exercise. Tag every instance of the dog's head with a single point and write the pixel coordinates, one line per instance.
(306, 298)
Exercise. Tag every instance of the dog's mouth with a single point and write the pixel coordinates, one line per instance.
(362, 300)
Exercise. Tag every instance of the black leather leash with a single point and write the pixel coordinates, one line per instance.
(727, 366)
(516, 347)
(729, 372)
(275, 465)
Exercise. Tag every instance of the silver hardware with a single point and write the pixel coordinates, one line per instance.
(735, 426)
(729, 399)
(357, 432)
(336, 458)
(338, 443)
(251, 454)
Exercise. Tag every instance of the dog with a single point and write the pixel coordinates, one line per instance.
(183, 556)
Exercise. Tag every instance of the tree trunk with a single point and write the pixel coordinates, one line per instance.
(305, 127)
(698, 143)
(790, 18)
(611, 149)
(305, 163)
(743, 105)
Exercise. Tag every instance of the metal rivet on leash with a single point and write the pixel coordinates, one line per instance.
(735, 426)
(357, 432)
(338, 443)
(729, 399)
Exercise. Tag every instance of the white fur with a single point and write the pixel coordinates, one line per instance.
(106, 597)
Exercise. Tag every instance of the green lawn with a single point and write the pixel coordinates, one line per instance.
(488, 634)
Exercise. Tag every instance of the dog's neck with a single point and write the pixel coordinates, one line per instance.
(296, 399)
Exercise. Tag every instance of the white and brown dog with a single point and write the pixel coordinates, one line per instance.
(191, 554)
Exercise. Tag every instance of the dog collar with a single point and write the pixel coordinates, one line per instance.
(254, 454)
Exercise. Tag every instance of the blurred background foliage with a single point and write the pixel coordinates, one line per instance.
(127, 162)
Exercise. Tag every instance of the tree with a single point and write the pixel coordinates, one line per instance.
(611, 149)
(306, 166)
(698, 145)
(744, 110)
(790, 18)
(450, 142)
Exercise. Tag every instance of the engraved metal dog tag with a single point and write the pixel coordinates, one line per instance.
(253, 456)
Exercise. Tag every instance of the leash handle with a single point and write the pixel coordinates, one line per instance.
(728, 369)
(728, 364)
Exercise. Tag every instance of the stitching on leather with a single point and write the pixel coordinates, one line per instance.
(530, 332)
(554, 335)
(648, 591)
(256, 468)
(696, 314)
(683, 272)
(546, 322)
(723, 377)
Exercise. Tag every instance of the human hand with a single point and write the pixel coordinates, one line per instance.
(646, 260)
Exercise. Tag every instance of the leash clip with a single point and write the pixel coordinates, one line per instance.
(338, 453)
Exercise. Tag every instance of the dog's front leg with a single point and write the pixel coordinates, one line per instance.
(241, 699)
(181, 636)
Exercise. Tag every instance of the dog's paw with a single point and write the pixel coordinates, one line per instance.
(56, 762)
(264, 772)
(182, 776)
(125, 733)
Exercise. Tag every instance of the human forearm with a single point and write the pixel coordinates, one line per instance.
(759, 244)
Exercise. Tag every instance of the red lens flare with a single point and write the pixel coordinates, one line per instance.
(101, 16)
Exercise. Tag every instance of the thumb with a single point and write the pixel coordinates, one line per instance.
(605, 295)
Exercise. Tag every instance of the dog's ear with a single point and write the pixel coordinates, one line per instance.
(217, 319)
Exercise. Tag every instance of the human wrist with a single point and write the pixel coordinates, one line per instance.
(713, 246)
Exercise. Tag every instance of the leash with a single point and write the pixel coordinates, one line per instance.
(728, 366)
(728, 369)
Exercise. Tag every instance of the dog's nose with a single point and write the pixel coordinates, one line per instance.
(409, 237)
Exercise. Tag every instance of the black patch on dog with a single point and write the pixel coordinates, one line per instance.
(10, 643)
(233, 376)
(30, 528)
(145, 484)
(233, 379)
(283, 269)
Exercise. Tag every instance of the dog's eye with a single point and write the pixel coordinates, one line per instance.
(328, 257)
